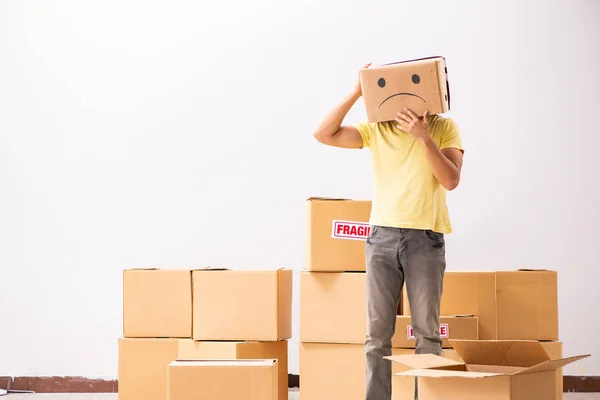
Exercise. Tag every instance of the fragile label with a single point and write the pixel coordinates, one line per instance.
(444, 332)
(350, 230)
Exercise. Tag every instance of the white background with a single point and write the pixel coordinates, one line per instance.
(179, 134)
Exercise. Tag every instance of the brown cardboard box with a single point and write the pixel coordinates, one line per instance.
(468, 293)
(143, 367)
(242, 305)
(473, 293)
(336, 231)
(555, 352)
(420, 85)
(332, 307)
(337, 371)
(457, 327)
(157, 303)
(191, 350)
(511, 305)
(403, 387)
(143, 362)
(527, 305)
(223, 380)
(511, 370)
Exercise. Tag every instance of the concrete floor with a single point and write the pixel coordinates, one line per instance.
(293, 396)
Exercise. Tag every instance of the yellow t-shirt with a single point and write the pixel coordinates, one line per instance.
(406, 193)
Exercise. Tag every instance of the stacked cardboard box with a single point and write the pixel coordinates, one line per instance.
(333, 314)
(499, 307)
(171, 315)
(223, 380)
(509, 305)
(332, 300)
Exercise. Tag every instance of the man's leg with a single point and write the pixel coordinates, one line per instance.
(384, 283)
(424, 260)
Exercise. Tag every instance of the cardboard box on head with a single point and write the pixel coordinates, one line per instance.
(419, 85)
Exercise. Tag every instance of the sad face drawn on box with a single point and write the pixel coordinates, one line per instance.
(415, 79)
(417, 85)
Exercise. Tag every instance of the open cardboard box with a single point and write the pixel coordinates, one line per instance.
(509, 369)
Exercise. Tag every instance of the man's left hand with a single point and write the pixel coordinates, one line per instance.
(417, 127)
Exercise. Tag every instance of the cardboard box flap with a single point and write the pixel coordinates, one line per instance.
(530, 270)
(510, 353)
(327, 199)
(441, 373)
(550, 365)
(241, 270)
(414, 60)
(423, 361)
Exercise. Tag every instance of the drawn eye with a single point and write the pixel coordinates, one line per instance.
(416, 79)
(381, 82)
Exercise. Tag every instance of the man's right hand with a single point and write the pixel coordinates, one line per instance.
(358, 87)
(332, 133)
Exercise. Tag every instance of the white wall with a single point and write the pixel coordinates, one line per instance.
(137, 134)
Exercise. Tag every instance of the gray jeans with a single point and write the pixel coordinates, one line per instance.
(394, 256)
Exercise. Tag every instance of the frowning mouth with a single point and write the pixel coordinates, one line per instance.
(401, 94)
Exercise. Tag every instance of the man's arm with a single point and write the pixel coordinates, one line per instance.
(332, 133)
(445, 164)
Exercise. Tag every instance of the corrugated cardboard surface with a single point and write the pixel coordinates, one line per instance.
(521, 387)
(323, 252)
(403, 387)
(332, 371)
(509, 305)
(458, 327)
(555, 352)
(446, 389)
(511, 353)
(527, 305)
(419, 85)
(223, 380)
(157, 303)
(284, 303)
(191, 350)
(242, 305)
(332, 307)
(143, 367)
(337, 371)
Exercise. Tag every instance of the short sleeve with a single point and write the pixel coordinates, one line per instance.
(451, 136)
(366, 132)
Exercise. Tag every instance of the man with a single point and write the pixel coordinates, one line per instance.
(415, 161)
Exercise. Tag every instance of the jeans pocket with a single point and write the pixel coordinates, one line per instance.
(436, 238)
(372, 233)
